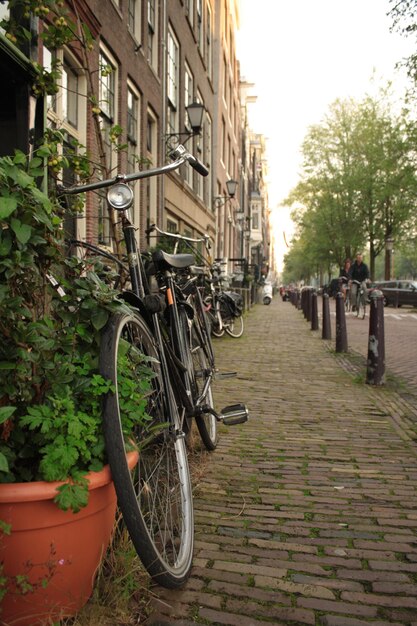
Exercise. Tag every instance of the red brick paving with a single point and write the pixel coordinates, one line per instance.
(307, 514)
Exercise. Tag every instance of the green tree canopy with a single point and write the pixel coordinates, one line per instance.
(358, 182)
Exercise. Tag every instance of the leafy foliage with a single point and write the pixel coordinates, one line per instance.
(358, 185)
(52, 309)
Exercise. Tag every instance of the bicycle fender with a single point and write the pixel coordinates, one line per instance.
(134, 301)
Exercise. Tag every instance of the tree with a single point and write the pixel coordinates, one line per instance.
(358, 183)
(404, 21)
(385, 158)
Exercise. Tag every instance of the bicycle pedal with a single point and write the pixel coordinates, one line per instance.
(234, 414)
(222, 375)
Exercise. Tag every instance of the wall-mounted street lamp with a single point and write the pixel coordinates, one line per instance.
(195, 113)
(231, 186)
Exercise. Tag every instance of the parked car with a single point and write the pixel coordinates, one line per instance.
(399, 292)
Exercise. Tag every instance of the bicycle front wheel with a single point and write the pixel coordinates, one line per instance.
(234, 327)
(361, 309)
(155, 499)
(206, 422)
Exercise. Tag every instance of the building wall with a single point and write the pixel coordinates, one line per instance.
(201, 35)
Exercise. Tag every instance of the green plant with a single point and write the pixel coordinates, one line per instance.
(52, 309)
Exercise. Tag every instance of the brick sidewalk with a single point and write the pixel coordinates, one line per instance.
(307, 514)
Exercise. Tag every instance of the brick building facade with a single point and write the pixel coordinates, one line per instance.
(147, 61)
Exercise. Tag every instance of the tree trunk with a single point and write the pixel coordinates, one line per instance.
(372, 259)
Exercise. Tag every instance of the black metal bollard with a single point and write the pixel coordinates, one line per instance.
(326, 331)
(297, 300)
(304, 301)
(341, 333)
(309, 298)
(375, 367)
(314, 312)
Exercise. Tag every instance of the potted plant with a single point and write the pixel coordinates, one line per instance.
(52, 309)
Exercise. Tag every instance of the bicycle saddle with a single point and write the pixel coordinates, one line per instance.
(164, 261)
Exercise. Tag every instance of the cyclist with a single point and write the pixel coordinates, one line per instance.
(344, 278)
(358, 271)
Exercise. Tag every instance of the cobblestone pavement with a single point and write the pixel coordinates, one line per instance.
(307, 514)
(400, 340)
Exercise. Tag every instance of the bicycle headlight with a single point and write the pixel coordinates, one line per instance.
(120, 197)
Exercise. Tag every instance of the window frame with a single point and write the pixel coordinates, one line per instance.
(172, 78)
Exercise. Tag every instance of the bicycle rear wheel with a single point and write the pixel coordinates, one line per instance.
(234, 327)
(216, 323)
(155, 499)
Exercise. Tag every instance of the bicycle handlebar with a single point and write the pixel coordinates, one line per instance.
(180, 156)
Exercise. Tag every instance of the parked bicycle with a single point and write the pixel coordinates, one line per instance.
(224, 307)
(191, 283)
(156, 499)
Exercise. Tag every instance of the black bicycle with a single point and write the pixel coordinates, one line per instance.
(197, 328)
(224, 307)
(155, 499)
(360, 298)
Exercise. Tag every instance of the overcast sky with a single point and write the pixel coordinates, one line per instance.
(302, 55)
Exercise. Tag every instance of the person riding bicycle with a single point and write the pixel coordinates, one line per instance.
(358, 271)
(344, 277)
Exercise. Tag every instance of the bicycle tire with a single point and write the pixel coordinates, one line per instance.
(363, 305)
(183, 349)
(155, 499)
(206, 422)
(217, 330)
(234, 327)
(347, 303)
(204, 325)
(360, 306)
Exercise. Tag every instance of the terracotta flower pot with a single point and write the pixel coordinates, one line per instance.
(57, 552)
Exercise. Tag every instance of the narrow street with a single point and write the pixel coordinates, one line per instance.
(306, 514)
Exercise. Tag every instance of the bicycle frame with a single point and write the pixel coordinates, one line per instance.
(139, 281)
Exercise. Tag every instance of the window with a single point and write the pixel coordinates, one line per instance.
(151, 183)
(255, 220)
(225, 80)
(189, 6)
(207, 159)
(132, 128)
(152, 35)
(188, 99)
(4, 13)
(200, 34)
(208, 51)
(172, 226)
(107, 102)
(67, 107)
(173, 54)
(107, 85)
(199, 180)
(133, 141)
(67, 110)
(223, 142)
(134, 18)
(188, 86)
